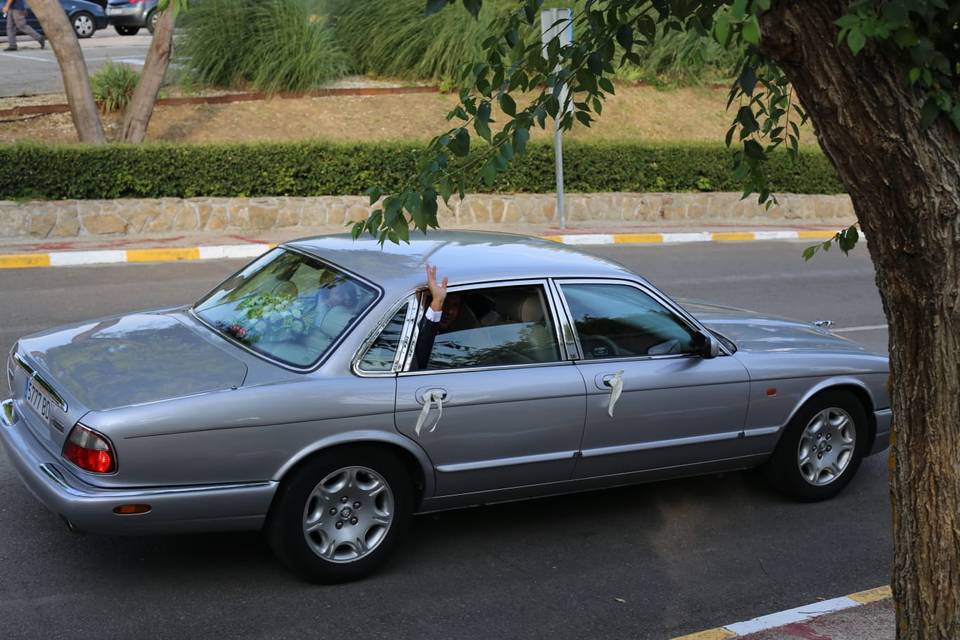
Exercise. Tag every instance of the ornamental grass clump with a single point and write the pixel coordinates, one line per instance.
(272, 45)
(113, 85)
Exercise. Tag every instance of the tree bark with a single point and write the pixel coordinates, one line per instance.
(76, 81)
(905, 187)
(140, 110)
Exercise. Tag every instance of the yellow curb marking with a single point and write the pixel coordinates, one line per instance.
(24, 261)
(871, 595)
(152, 255)
(553, 238)
(709, 634)
(728, 236)
(819, 235)
(637, 238)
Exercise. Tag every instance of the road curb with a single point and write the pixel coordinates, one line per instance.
(791, 616)
(173, 254)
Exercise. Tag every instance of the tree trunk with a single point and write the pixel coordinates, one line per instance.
(905, 187)
(137, 118)
(76, 81)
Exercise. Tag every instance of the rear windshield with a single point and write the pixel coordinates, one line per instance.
(287, 306)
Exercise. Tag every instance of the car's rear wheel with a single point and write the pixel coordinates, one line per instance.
(126, 30)
(152, 18)
(821, 449)
(83, 24)
(341, 514)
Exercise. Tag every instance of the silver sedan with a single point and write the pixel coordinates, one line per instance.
(309, 396)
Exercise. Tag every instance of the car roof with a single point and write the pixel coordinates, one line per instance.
(462, 256)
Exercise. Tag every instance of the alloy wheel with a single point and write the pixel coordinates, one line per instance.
(827, 446)
(348, 514)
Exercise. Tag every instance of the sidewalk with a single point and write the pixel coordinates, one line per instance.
(31, 252)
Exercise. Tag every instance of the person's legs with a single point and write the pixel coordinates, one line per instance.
(20, 17)
(11, 30)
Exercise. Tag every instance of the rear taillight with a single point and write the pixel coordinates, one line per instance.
(90, 451)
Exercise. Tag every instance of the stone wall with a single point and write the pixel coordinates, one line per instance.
(73, 218)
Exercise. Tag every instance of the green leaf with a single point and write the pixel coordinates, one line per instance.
(751, 31)
(583, 117)
(625, 36)
(721, 28)
(460, 143)
(856, 40)
(929, 113)
(473, 6)
(606, 85)
(753, 150)
(435, 5)
(374, 193)
(520, 138)
(508, 105)
(809, 252)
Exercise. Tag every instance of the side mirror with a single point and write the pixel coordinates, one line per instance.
(706, 345)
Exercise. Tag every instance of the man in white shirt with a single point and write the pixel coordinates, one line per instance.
(434, 317)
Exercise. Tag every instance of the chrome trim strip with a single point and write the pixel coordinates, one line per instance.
(57, 478)
(661, 444)
(506, 462)
(761, 431)
(883, 412)
(38, 379)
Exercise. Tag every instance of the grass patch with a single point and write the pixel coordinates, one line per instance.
(113, 86)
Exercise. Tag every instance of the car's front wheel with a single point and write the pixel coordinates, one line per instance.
(341, 514)
(83, 25)
(821, 448)
(152, 19)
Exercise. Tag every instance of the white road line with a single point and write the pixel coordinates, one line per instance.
(791, 615)
(866, 327)
(73, 258)
(688, 237)
(137, 61)
(24, 56)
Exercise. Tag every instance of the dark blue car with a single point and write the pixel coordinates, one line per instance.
(86, 17)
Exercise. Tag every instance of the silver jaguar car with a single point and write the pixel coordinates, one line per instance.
(289, 399)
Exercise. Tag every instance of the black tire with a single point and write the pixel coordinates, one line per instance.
(284, 529)
(152, 21)
(126, 30)
(783, 469)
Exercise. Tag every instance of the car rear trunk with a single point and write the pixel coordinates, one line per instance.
(112, 363)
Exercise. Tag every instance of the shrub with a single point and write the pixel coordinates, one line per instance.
(319, 168)
(113, 85)
(274, 45)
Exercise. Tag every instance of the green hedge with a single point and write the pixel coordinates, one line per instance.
(318, 168)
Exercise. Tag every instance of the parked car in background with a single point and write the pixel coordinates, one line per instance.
(86, 17)
(294, 397)
(129, 16)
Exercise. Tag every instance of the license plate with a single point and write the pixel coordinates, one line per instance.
(38, 400)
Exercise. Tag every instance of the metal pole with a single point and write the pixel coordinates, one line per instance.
(549, 28)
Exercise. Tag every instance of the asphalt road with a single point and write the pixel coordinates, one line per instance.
(649, 561)
(32, 71)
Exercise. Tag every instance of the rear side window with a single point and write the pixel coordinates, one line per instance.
(619, 321)
(383, 351)
(287, 306)
(494, 327)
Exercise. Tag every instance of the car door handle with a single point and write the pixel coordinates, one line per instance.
(428, 398)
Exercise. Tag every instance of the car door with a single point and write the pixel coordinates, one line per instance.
(671, 406)
(498, 405)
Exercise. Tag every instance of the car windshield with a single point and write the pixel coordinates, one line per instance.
(287, 306)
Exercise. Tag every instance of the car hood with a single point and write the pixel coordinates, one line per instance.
(752, 331)
(131, 359)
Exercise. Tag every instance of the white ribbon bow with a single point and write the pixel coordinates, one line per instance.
(429, 398)
(616, 388)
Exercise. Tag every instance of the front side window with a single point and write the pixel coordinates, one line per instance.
(287, 306)
(494, 327)
(620, 321)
